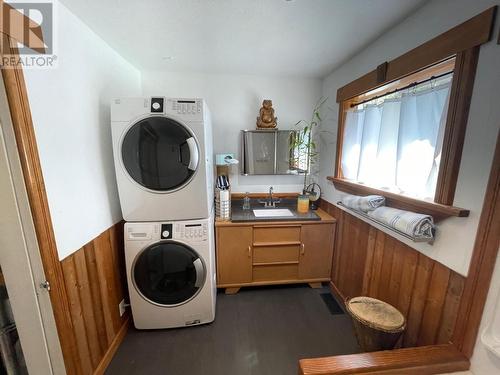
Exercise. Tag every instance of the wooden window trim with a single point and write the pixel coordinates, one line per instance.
(461, 42)
(456, 124)
(471, 33)
(436, 210)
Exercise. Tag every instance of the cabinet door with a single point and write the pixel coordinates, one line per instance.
(315, 259)
(234, 255)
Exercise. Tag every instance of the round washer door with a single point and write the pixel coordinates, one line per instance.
(160, 154)
(168, 273)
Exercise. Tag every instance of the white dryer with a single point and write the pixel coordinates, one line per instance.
(171, 273)
(163, 158)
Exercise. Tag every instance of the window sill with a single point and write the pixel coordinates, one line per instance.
(436, 210)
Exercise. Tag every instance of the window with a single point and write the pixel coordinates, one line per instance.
(394, 140)
(402, 127)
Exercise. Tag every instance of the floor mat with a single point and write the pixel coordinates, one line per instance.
(332, 305)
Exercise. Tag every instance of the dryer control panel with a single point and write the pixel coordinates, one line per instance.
(189, 109)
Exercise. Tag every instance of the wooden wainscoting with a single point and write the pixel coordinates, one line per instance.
(95, 284)
(369, 262)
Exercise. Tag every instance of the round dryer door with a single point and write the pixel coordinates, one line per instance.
(168, 273)
(160, 154)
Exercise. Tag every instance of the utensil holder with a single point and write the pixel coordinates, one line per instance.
(222, 204)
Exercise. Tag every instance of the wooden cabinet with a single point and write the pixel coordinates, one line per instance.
(234, 255)
(316, 251)
(257, 253)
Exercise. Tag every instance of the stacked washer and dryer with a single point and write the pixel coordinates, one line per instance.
(164, 169)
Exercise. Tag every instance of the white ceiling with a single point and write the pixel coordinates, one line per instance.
(306, 38)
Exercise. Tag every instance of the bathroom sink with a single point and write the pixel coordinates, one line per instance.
(273, 212)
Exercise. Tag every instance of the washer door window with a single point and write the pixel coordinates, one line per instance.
(168, 273)
(160, 154)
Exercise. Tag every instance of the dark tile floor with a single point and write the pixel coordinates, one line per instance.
(257, 331)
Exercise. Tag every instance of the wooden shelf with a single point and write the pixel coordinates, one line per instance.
(436, 210)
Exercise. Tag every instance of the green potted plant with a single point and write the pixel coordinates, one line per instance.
(303, 153)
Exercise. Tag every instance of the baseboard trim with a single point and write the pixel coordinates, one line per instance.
(108, 356)
(337, 293)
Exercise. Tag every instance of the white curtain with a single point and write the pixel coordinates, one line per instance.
(396, 145)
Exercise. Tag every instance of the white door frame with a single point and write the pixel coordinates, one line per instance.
(21, 262)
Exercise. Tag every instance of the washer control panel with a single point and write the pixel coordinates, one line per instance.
(191, 231)
(188, 231)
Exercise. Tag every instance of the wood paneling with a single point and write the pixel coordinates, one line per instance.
(94, 283)
(369, 262)
(435, 359)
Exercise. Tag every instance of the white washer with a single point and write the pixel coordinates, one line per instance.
(163, 158)
(171, 273)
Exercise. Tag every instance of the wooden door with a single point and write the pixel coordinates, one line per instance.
(315, 259)
(234, 255)
(21, 271)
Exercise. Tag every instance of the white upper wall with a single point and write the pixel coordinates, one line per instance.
(70, 110)
(455, 236)
(259, 37)
(234, 102)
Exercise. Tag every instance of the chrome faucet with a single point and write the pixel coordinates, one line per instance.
(270, 202)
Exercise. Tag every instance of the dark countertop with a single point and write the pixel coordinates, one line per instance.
(239, 215)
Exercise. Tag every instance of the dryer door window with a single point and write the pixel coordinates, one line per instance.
(168, 273)
(160, 154)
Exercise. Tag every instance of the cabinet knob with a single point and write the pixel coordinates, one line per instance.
(249, 251)
(303, 248)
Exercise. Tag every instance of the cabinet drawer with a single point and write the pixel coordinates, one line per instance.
(275, 254)
(275, 272)
(276, 234)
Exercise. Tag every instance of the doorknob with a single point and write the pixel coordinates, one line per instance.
(45, 285)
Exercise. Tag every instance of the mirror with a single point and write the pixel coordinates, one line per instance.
(267, 152)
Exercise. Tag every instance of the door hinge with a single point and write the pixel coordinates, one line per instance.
(45, 285)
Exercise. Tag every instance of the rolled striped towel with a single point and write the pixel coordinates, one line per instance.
(419, 226)
(364, 204)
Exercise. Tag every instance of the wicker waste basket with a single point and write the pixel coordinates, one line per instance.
(377, 325)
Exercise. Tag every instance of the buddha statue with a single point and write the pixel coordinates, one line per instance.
(266, 119)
